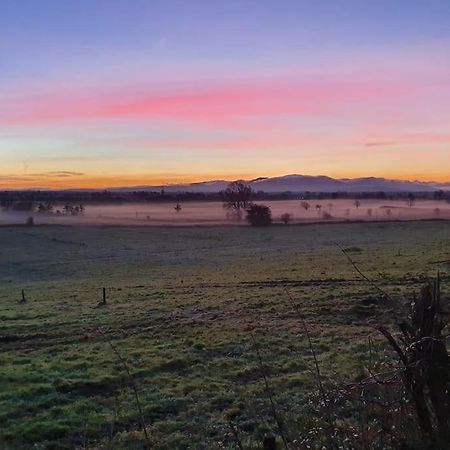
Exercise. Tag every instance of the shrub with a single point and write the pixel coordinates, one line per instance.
(259, 215)
(286, 218)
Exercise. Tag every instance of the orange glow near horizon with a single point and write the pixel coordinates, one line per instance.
(342, 126)
(117, 180)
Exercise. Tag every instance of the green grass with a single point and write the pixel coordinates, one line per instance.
(182, 304)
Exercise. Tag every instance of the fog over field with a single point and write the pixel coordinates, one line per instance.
(197, 213)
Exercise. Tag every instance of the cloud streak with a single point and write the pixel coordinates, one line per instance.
(412, 139)
(221, 105)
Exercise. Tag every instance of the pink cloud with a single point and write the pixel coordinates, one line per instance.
(225, 104)
(411, 139)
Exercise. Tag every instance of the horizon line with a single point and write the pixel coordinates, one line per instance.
(215, 180)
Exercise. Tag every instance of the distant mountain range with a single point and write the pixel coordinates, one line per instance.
(302, 183)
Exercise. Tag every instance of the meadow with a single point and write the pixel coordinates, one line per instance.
(184, 308)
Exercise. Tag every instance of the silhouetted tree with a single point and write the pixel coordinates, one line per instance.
(259, 215)
(45, 208)
(237, 195)
(70, 210)
(305, 205)
(67, 209)
(286, 218)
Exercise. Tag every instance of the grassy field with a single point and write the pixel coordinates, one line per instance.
(182, 305)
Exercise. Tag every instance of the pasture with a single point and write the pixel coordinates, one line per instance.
(182, 306)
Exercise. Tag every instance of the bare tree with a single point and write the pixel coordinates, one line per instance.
(286, 218)
(305, 205)
(237, 196)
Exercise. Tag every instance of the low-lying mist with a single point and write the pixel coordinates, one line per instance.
(213, 213)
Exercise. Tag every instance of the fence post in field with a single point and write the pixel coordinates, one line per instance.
(24, 299)
(104, 296)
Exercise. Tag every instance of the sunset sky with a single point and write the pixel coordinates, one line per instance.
(104, 93)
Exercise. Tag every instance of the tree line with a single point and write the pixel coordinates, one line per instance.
(141, 196)
(41, 208)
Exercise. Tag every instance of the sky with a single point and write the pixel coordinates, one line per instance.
(106, 93)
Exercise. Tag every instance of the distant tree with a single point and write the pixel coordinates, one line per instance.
(326, 215)
(67, 209)
(357, 203)
(437, 211)
(259, 215)
(177, 207)
(319, 209)
(237, 196)
(411, 200)
(305, 205)
(286, 218)
(71, 210)
(45, 208)
(369, 212)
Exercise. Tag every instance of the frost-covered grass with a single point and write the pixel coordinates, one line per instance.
(182, 304)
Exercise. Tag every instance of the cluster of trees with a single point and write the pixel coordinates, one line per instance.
(41, 207)
(237, 198)
(86, 196)
(71, 210)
